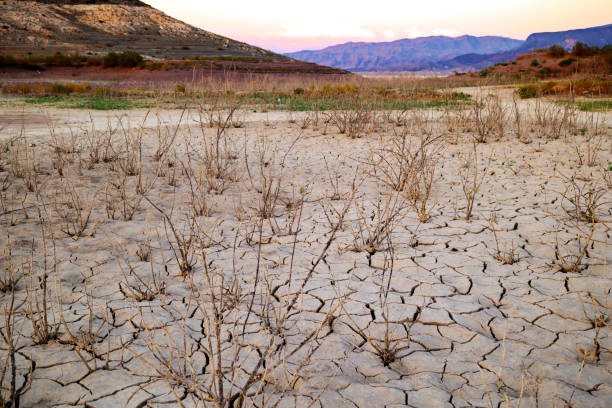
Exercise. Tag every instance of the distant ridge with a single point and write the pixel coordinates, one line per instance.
(363, 56)
(445, 54)
(598, 36)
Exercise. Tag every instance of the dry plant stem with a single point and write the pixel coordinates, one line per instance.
(519, 123)
(197, 187)
(585, 199)
(37, 306)
(488, 115)
(10, 332)
(86, 341)
(395, 161)
(268, 180)
(553, 120)
(334, 181)
(182, 243)
(391, 346)
(165, 142)
(599, 318)
(372, 232)
(594, 138)
(572, 261)
(74, 211)
(420, 189)
(471, 180)
(136, 287)
(353, 119)
(504, 255)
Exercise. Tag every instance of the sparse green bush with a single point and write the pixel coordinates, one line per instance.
(527, 91)
(583, 50)
(7, 61)
(535, 63)
(298, 91)
(557, 51)
(155, 66)
(126, 59)
(566, 62)
(544, 72)
(180, 88)
(60, 89)
(484, 72)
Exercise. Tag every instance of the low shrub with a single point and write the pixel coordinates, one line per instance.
(566, 62)
(59, 89)
(583, 50)
(544, 72)
(126, 59)
(527, 91)
(557, 51)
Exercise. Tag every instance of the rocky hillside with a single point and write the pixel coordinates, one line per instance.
(96, 26)
(597, 36)
(364, 56)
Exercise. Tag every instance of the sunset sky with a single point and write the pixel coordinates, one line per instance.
(283, 26)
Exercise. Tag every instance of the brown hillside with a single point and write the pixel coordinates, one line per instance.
(94, 26)
(542, 65)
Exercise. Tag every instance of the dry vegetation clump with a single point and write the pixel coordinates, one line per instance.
(472, 175)
(489, 117)
(583, 200)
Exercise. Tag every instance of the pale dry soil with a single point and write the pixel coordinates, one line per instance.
(470, 330)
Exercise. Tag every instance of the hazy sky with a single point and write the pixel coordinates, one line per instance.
(284, 25)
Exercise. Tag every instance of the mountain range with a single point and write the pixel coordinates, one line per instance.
(441, 53)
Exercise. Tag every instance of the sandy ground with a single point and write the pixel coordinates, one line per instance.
(468, 328)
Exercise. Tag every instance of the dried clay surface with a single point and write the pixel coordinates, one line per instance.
(220, 257)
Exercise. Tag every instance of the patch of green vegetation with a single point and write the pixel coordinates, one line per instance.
(527, 91)
(96, 103)
(595, 105)
(90, 103)
(302, 103)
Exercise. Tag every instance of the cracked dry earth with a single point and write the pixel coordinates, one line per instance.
(462, 327)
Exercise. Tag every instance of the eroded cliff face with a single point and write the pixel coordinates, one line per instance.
(43, 27)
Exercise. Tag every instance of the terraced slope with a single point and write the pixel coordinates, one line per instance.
(46, 27)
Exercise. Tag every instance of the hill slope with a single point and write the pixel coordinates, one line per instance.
(46, 27)
(598, 36)
(595, 36)
(364, 56)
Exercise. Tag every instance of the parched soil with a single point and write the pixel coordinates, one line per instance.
(325, 286)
